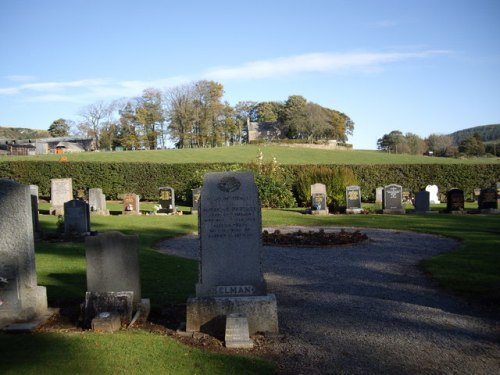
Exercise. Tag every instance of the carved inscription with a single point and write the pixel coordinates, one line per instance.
(228, 221)
(233, 290)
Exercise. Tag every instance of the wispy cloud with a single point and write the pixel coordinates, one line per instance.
(21, 78)
(314, 62)
(87, 90)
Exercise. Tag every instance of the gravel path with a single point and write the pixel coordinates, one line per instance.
(368, 309)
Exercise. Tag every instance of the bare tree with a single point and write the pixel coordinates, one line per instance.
(94, 115)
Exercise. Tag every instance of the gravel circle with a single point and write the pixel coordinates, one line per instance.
(368, 308)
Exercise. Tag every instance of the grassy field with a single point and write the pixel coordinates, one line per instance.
(247, 153)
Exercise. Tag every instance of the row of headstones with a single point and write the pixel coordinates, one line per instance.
(392, 197)
(231, 283)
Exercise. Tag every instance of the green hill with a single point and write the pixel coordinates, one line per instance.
(22, 133)
(488, 133)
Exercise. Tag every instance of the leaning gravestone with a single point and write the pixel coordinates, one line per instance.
(113, 277)
(487, 201)
(167, 200)
(433, 194)
(455, 201)
(131, 204)
(196, 200)
(230, 278)
(21, 299)
(97, 202)
(76, 217)
(353, 199)
(318, 199)
(61, 191)
(393, 199)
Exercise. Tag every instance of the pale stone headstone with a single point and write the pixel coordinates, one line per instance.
(21, 299)
(393, 199)
(498, 193)
(455, 201)
(237, 335)
(97, 202)
(230, 277)
(433, 194)
(167, 200)
(34, 209)
(488, 199)
(196, 200)
(353, 199)
(131, 205)
(76, 217)
(318, 199)
(61, 191)
(379, 195)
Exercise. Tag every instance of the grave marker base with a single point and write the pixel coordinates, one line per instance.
(207, 314)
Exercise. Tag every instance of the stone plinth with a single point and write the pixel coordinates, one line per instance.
(237, 335)
(207, 314)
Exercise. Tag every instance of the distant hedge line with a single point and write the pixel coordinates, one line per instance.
(145, 178)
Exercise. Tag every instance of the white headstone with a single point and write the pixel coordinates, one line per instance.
(433, 194)
(61, 191)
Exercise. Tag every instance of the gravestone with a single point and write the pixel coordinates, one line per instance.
(422, 202)
(61, 191)
(21, 299)
(113, 276)
(97, 202)
(487, 201)
(498, 193)
(196, 200)
(167, 200)
(455, 201)
(131, 205)
(433, 194)
(34, 209)
(407, 195)
(237, 335)
(318, 199)
(353, 199)
(230, 277)
(76, 217)
(379, 195)
(393, 199)
(475, 194)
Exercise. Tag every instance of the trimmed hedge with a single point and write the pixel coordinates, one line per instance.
(145, 178)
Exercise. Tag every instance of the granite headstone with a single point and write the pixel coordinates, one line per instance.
(167, 200)
(61, 191)
(393, 199)
(455, 201)
(76, 217)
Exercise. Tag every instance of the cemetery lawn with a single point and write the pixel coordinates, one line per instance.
(248, 153)
(471, 270)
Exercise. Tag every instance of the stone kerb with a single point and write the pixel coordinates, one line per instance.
(21, 299)
(230, 277)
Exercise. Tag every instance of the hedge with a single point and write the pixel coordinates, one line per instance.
(145, 178)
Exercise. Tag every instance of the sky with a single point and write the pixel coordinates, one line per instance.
(419, 66)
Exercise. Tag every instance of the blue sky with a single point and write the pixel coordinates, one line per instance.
(424, 66)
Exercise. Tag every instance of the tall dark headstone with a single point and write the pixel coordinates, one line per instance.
(488, 199)
(34, 209)
(455, 200)
(353, 199)
(393, 199)
(76, 217)
(422, 202)
(230, 277)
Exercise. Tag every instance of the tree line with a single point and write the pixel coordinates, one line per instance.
(194, 115)
(435, 144)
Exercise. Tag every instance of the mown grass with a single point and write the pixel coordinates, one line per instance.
(247, 153)
(472, 269)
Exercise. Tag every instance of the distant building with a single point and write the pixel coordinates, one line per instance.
(41, 146)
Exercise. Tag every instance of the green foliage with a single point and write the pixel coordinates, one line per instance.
(273, 183)
(335, 178)
(59, 128)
